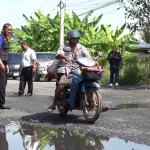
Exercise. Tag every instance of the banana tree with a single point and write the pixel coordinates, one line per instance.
(117, 38)
(41, 34)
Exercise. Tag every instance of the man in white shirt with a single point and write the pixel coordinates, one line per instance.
(28, 67)
(30, 137)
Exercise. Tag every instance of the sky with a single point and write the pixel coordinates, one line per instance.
(12, 10)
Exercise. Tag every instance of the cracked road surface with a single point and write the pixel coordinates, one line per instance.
(131, 124)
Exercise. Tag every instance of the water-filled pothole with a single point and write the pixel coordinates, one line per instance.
(24, 137)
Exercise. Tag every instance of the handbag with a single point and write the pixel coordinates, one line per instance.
(53, 67)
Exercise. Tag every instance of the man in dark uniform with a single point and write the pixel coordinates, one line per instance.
(114, 59)
(4, 53)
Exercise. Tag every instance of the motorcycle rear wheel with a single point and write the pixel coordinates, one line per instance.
(92, 111)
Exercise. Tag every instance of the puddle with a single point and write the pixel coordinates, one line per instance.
(23, 137)
(127, 106)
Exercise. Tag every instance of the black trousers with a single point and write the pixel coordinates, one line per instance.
(26, 77)
(3, 140)
(114, 71)
(3, 83)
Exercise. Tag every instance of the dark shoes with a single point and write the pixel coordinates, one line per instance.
(4, 107)
(20, 94)
(106, 108)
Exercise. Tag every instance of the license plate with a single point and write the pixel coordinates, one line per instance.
(16, 74)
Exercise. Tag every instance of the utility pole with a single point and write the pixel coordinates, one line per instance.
(62, 7)
(123, 48)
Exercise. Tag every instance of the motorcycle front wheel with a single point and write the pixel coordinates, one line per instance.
(63, 110)
(92, 110)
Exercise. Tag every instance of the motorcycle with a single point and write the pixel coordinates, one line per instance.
(66, 140)
(88, 97)
(49, 75)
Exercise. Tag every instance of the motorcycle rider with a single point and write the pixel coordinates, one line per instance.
(64, 78)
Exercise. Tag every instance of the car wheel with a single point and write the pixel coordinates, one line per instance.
(49, 79)
(14, 78)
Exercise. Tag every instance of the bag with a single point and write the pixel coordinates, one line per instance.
(53, 67)
(92, 73)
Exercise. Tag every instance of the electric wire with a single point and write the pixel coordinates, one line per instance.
(81, 3)
(99, 7)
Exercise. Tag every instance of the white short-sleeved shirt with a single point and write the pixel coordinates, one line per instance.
(29, 143)
(27, 58)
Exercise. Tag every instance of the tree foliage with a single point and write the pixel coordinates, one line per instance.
(116, 37)
(145, 34)
(42, 33)
(137, 13)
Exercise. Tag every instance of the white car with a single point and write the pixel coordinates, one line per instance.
(43, 60)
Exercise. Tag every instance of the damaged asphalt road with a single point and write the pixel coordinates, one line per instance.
(131, 124)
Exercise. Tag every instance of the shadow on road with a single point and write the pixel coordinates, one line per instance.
(53, 118)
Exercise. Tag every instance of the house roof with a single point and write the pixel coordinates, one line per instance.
(143, 45)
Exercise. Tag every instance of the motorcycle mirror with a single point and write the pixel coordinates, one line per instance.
(100, 54)
(67, 49)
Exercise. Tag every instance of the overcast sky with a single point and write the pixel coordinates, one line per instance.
(12, 10)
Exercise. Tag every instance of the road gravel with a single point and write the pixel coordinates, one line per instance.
(131, 124)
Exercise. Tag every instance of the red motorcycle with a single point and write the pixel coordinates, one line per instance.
(49, 75)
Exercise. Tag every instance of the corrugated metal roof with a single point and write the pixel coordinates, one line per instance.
(144, 45)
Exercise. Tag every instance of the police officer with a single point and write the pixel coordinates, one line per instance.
(114, 59)
(4, 58)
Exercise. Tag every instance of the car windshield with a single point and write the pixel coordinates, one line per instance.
(15, 58)
(45, 56)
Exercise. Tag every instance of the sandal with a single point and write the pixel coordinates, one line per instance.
(51, 108)
(106, 108)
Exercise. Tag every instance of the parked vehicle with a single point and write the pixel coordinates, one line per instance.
(43, 60)
(14, 65)
(89, 99)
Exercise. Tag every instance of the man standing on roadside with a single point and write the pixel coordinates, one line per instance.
(28, 67)
(114, 59)
(4, 58)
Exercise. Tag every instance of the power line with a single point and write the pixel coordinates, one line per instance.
(84, 6)
(100, 7)
(81, 3)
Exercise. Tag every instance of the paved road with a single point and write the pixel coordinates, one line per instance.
(131, 124)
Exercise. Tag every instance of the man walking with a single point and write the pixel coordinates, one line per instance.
(28, 67)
